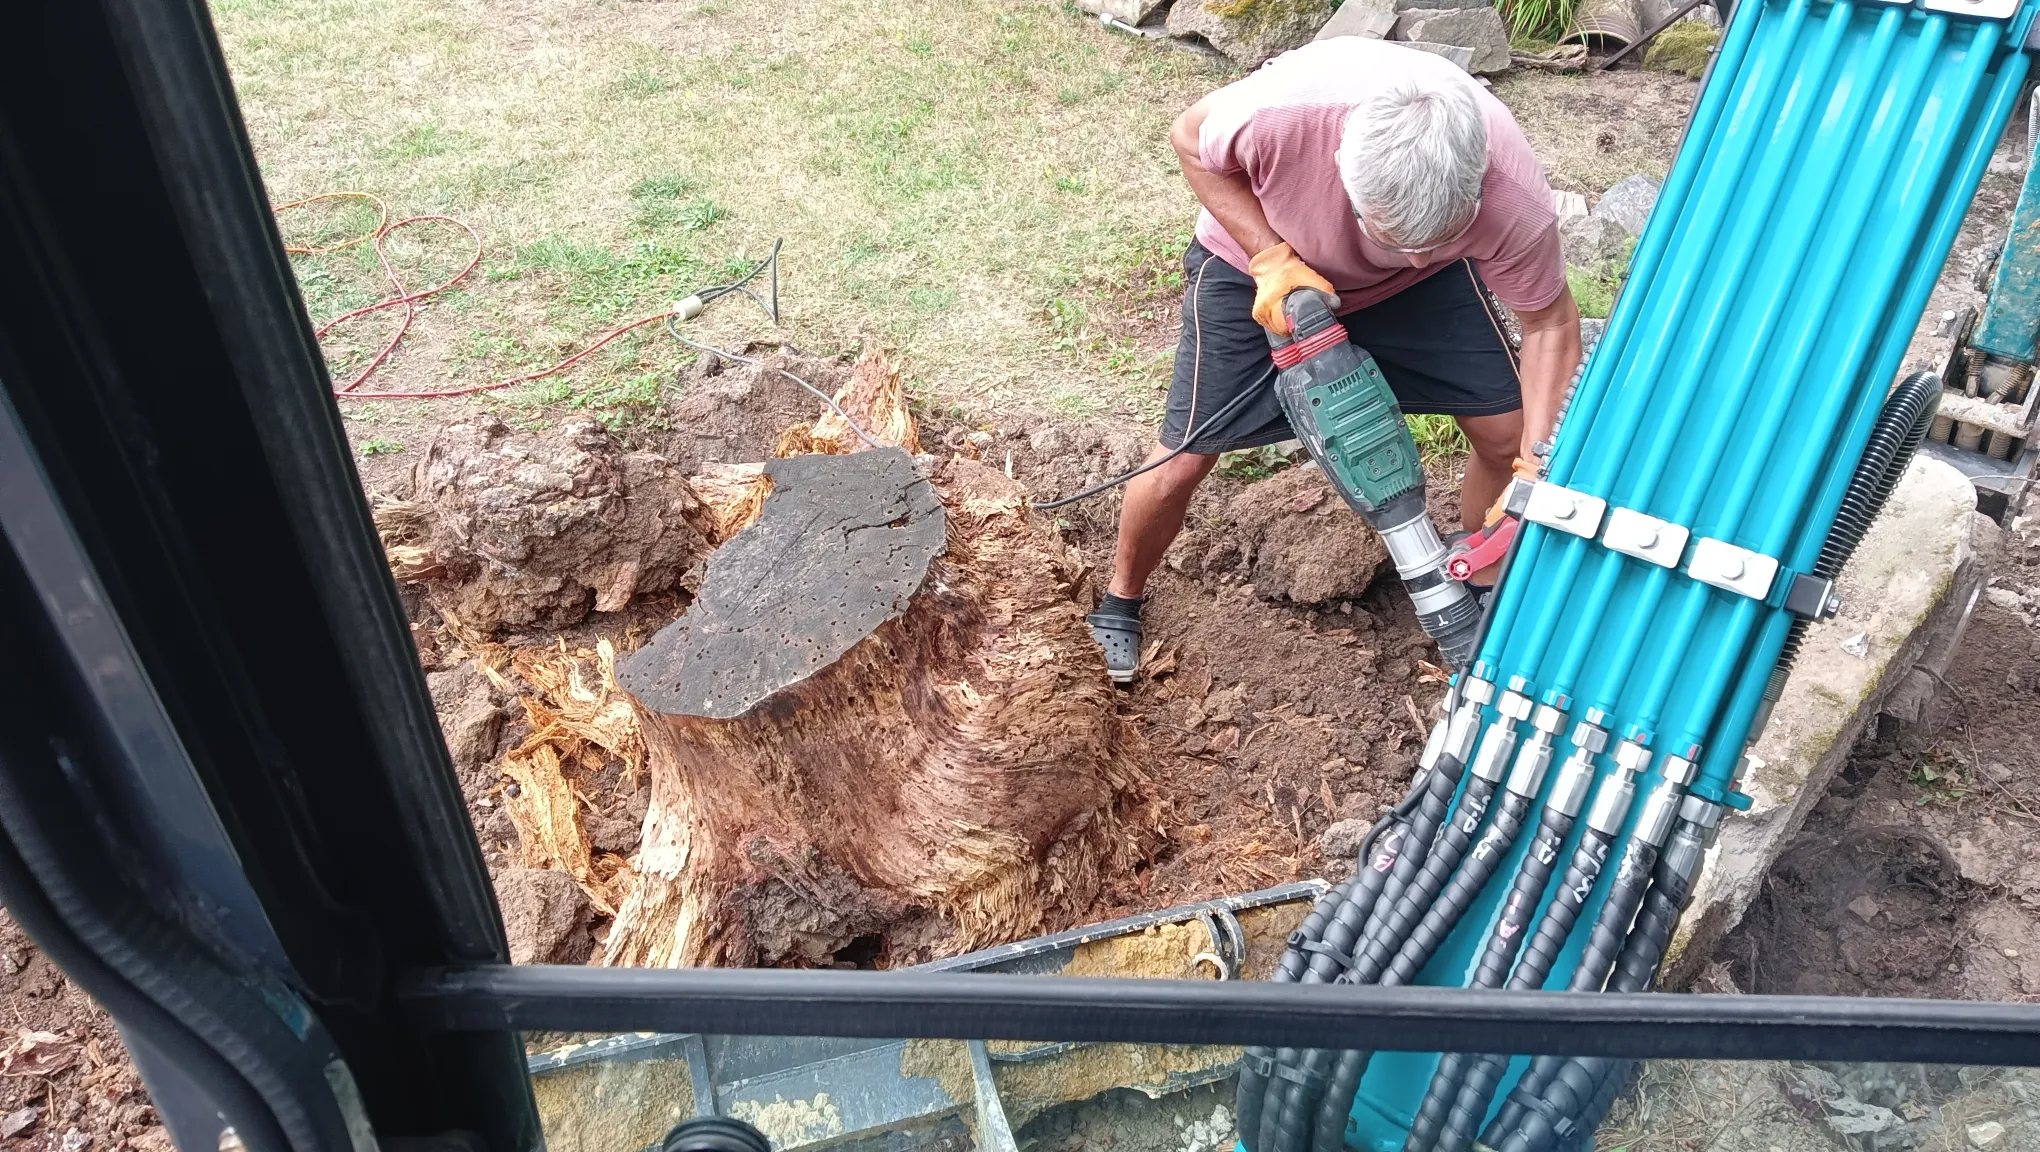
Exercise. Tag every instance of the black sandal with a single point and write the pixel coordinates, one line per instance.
(1119, 635)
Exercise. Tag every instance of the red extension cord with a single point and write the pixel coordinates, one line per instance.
(408, 301)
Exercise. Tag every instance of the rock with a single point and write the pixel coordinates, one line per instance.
(1909, 584)
(509, 529)
(1686, 48)
(1249, 32)
(1858, 645)
(1567, 205)
(1458, 55)
(1854, 1118)
(1342, 840)
(1985, 1134)
(1864, 908)
(1590, 334)
(1629, 202)
(545, 915)
(1595, 245)
(1304, 544)
(1133, 12)
(1372, 19)
(1480, 29)
(2006, 599)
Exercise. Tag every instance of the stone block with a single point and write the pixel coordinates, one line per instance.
(1629, 202)
(1912, 582)
(1480, 29)
(1372, 19)
(1250, 32)
(1453, 52)
(1594, 244)
(1133, 12)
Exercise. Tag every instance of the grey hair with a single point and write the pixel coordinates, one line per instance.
(1412, 160)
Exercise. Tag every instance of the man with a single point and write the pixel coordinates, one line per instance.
(1384, 176)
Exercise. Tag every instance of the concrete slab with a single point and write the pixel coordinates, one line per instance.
(1908, 590)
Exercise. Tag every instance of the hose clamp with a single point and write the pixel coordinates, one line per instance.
(1571, 790)
(1660, 805)
(1647, 538)
(1731, 568)
(1565, 510)
(1527, 776)
(1496, 744)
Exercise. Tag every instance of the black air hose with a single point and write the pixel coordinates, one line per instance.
(1604, 944)
(1503, 942)
(1582, 872)
(1908, 413)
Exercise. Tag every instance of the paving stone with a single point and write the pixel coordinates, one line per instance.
(1480, 29)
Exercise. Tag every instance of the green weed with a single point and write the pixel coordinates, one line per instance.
(380, 447)
(696, 215)
(642, 82)
(421, 140)
(1437, 436)
(1594, 295)
(1539, 18)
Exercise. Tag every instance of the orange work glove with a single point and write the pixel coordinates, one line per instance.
(1277, 272)
(1527, 469)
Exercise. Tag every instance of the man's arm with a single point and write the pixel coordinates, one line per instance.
(1228, 195)
(1551, 352)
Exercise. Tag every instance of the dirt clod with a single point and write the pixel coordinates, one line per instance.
(508, 529)
(1300, 542)
(546, 916)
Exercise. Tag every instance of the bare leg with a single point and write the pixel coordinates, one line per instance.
(1152, 515)
(1494, 440)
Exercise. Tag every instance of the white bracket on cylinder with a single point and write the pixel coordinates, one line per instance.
(1732, 569)
(1562, 508)
(1645, 537)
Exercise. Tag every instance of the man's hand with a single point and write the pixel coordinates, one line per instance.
(1277, 272)
(1551, 351)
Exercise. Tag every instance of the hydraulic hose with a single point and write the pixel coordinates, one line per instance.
(1291, 1096)
(1605, 818)
(1327, 957)
(1253, 1076)
(1908, 413)
(1505, 940)
(1610, 928)
(1567, 1102)
(1439, 920)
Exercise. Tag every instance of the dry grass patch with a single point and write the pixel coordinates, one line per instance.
(955, 182)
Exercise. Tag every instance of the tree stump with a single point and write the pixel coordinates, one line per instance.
(881, 727)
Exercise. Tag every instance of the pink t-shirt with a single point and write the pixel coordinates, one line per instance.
(1281, 126)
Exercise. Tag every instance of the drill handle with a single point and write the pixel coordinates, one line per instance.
(1309, 311)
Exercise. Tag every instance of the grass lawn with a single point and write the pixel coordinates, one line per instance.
(985, 187)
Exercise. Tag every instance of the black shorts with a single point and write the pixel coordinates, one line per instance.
(1437, 342)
